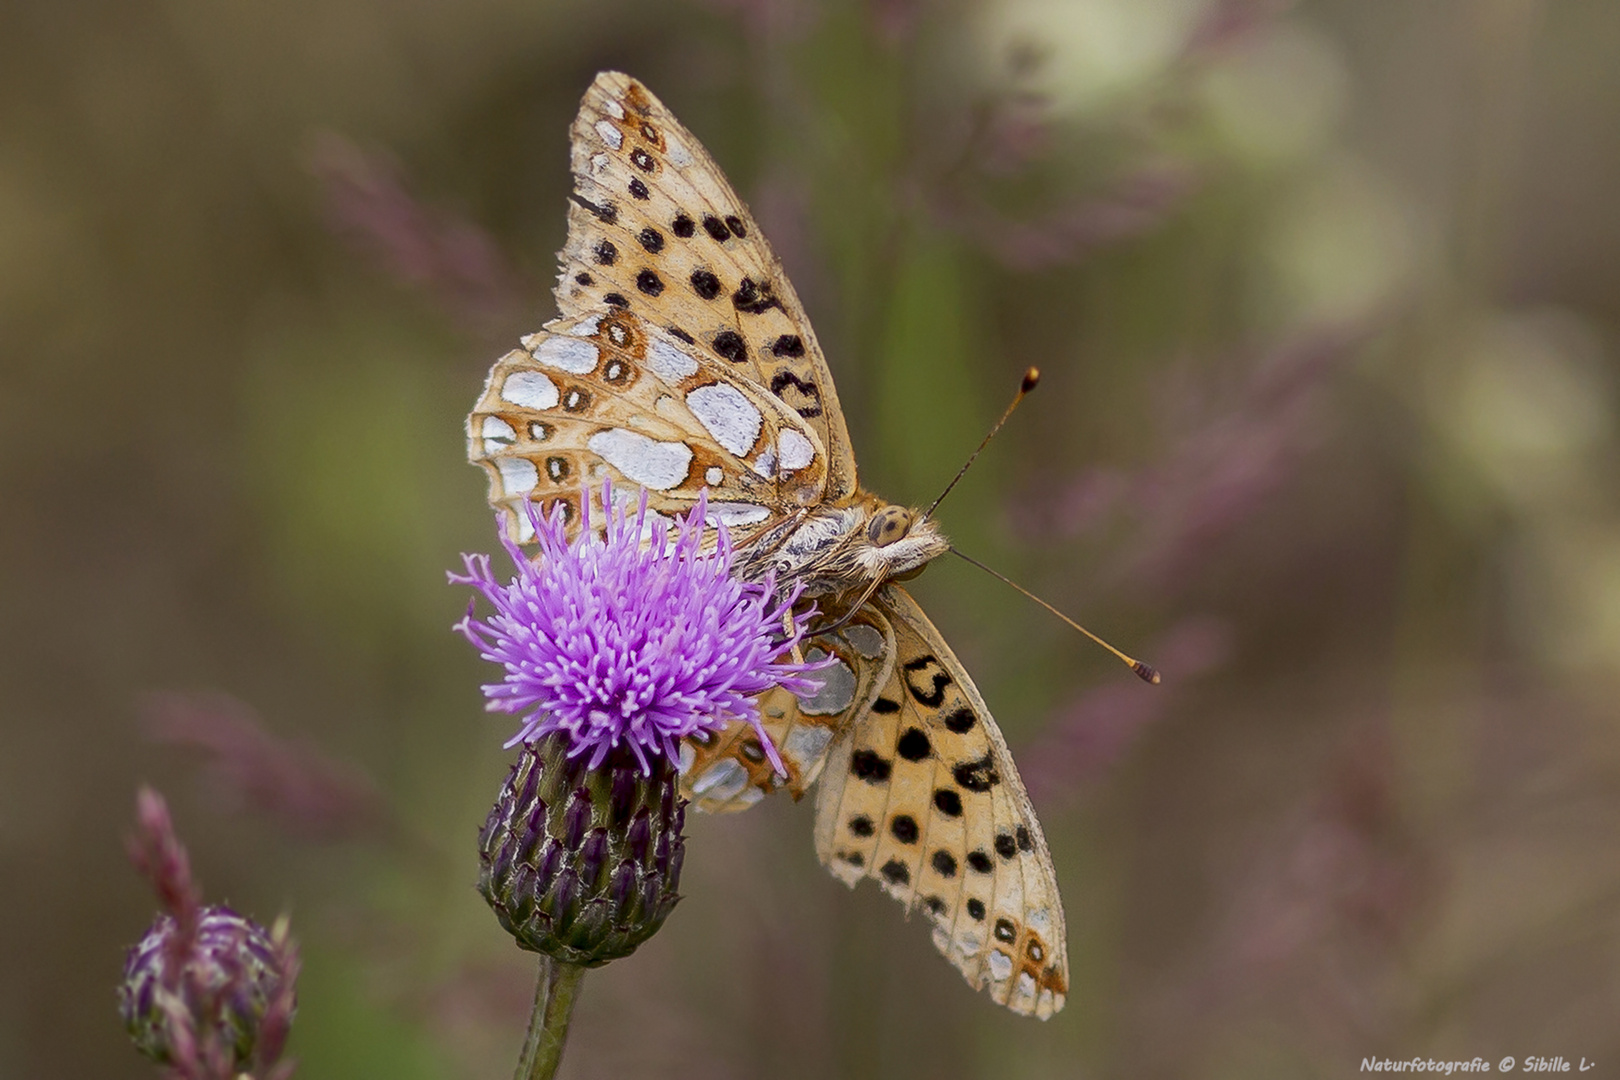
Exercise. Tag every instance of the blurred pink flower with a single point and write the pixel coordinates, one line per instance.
(1089, 737)
(307, 791)
(447, 256)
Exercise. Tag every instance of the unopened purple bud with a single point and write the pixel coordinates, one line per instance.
(230, 974)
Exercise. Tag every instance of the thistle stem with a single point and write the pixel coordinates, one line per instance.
(554, 993)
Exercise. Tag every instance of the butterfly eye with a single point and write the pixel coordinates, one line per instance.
(888, 525)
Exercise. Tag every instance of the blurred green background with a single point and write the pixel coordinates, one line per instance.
(1327, 299)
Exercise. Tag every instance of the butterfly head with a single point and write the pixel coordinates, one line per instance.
(901, 541)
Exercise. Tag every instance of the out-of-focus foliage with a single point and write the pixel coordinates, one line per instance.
(1325, 295)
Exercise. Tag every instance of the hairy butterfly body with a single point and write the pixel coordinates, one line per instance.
(681, 361)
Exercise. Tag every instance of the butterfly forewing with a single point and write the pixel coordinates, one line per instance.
(611, 395)
(655, 228)
(922, 796)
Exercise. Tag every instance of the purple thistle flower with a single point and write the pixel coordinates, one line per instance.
(633, 639)
(207, 993)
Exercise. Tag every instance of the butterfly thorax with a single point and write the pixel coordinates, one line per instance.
(843, 548)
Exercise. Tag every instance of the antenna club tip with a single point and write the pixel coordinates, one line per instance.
(1032, 379)
(1146, 672)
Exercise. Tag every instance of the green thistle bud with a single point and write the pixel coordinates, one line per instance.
(579, 863)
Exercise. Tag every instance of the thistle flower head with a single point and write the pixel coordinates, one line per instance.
(207, 992)
(632, 640)
(230, 973)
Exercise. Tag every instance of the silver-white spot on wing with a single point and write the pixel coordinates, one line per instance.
(721, 781)
(837, 688)
(713, 475)
(652, 464)
(868, 640)
(730, 417)
(530, 389)
(735, 513)
(497, 433)
(795, 451)
(518, 475)
(805, 742)
(679, 156)
(765, 463)
(564, 353)
(669, 363)
(610, 134)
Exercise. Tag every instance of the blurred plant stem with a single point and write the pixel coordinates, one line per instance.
(554, 992)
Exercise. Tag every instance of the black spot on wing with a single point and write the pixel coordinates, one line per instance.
(896, 872)
(803, 396)
(716, 229)
(638, 189)
(651, 239)
(734, 223)
(884, 706)
(980, 862)
(683, 226)
(1006, 846)
(754, 298)
(649, 282)
(914, 745)
(729, 344)
(960, 720)
(705, 284)
(977, 776)
(867, 765)
(904, 828)
(606, 253)
(788, 345)
(944, 863)
(948, 802)
(606, 212)
(928, 688)
(861, 825)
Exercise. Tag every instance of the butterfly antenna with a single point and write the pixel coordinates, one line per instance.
(1145, 672)
(1031, 378)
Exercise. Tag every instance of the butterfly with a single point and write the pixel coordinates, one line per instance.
(681, 360)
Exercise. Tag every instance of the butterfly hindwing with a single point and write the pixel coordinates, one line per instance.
(655, 228)
(611, 395)
(922, 795)
(731, 772)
